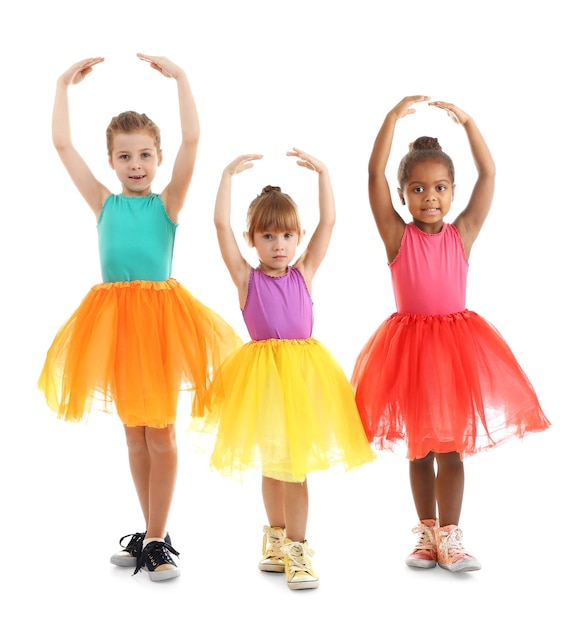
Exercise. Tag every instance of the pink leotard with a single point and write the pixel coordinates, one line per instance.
(429, 274)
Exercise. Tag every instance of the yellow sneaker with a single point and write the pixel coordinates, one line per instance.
(272, 555)
(298, 567)
(425, 552)
(451, 554)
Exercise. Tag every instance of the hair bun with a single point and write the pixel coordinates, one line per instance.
(425, 143)
(270, 188)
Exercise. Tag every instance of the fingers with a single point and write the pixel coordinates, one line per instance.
(162, 64)
(454, 112)
(78, 71)
(243, 162)
(306, 160)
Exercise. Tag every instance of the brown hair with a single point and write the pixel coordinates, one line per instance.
(272, 209)
(131, 122)
(423, 149)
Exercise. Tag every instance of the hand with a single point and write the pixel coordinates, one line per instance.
(405, 106)
(306, 160)
(78, 71)
(241, 163)
(162, 64)
(455, 113)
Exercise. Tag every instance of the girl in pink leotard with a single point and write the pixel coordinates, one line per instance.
(436, 376)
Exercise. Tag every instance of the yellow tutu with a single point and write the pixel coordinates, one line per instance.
(285, 407)
(136, 345)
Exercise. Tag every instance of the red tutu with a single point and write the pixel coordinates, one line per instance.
(442, 383)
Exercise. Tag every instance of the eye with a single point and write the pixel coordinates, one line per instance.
(289, 235)
(267, 236)
(418, 189)
(441, 188)
(123, 157)
(145, 155)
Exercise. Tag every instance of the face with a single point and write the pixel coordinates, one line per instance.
(428, 194)
(276, 250)
(135, 160)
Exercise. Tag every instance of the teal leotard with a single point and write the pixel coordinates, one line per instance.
(135, 238)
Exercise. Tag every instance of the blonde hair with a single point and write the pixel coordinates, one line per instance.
(131, 122)
(272, 210)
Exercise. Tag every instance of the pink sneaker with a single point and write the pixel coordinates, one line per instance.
(451, 554)
(425, 552)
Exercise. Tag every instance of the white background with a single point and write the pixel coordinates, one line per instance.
(320, 76)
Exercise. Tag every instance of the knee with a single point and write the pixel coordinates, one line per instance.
(425, 462)
(135, 438)
(161, 440)
(450, 460)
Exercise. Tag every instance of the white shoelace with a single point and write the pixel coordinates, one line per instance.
(426, 538)
(298, 554)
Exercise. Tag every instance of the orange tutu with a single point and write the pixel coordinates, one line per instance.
(136, 345)
(442, 383)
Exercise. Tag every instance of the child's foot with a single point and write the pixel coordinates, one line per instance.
(451, 554)
(156, 558)
(272, 555)
(127, 557)
(298, 567)
(425, 552)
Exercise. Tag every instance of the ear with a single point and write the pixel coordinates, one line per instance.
(302, 235)
(110, 161)
(453, 191)
(248, 239)
(401, 195)
(159, 157)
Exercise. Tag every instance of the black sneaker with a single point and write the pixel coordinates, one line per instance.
(128, 556)
(156, 558)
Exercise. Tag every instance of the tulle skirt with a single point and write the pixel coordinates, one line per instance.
(442, 383)
(134, 346)
(284, 407)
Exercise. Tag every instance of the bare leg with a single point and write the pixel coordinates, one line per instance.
(139, 459)
(162, 447)
(422, 484)
(450, 484)
(287, 506)
(296, 510)
(273, 496)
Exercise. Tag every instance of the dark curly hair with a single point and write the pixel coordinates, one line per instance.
(423, 149)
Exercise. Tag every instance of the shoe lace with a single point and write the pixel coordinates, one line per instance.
(272, 542)
(426, 538)
(158, 553)
(298, 556)
(452, 546)
(134, 546)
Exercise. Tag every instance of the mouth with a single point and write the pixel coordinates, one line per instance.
(137, 177)
(430, 210)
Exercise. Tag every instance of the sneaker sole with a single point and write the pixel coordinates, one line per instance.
(279, 569)
(165, 574)
(123, 561)
(421, 563)
(462, 567)
(313, 584)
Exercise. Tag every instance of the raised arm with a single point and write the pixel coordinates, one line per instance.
(93, 192)
(238, 267)
(314, 253)
(471, 219)
(175, 193)
(390, 224)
